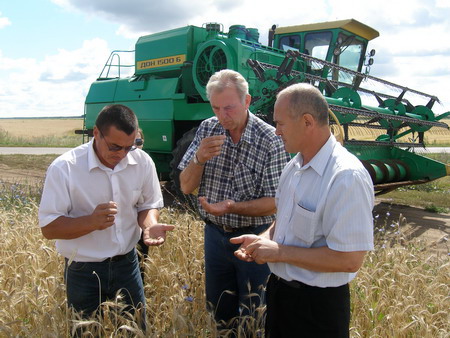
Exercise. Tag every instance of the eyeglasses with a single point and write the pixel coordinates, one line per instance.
(138, 142)
(116, 148)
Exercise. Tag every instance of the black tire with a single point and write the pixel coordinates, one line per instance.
(188, 202)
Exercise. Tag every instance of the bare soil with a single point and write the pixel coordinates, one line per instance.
(432, 228)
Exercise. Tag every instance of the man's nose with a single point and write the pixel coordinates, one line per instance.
(220, 112)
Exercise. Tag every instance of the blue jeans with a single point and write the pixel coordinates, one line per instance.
(88, 284)
(233, 287)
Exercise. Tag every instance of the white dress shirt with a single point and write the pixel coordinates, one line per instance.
(327, 202)
(76, 182)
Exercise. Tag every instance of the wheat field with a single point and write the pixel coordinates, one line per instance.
(402, 289)
(41, 127)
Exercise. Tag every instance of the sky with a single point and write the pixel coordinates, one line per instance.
(52, 50)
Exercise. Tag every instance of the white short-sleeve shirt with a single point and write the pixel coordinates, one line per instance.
(327, 202)
(76, 182)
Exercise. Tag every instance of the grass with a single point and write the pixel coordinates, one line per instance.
(401, 290)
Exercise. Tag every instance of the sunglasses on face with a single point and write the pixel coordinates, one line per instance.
(138, 142)
(116, 148)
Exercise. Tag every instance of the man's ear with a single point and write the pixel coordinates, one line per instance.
(309, 120)
(248, 100)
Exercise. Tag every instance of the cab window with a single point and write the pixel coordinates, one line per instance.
(290, 42)
(347, 53)
(316, 44)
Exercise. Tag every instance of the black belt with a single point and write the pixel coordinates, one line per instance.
(109, 259)
(291, 283)
(118, 257)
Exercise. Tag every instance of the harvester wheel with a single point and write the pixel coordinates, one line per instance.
(189, 202)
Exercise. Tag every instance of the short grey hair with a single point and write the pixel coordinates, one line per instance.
(227, 78)
(305, 98)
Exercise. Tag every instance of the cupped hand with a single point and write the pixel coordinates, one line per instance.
(155, 234)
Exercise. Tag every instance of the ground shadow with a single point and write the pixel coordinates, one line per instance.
(431, 227)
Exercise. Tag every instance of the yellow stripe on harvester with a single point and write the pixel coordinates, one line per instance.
(162, 62)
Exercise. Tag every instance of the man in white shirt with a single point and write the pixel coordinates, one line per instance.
(323, 228)
(97, 199)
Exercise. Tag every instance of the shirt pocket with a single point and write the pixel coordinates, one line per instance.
(137, 198)
(303, 224)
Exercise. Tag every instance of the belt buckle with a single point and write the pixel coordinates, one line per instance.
(227, 228)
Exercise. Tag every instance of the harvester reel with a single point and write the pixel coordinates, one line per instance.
(210, 58)
(425, 112)
(397, 109)
(349, 98)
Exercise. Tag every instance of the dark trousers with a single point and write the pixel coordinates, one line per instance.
(233, 287)
(295, 309)
(88, 284)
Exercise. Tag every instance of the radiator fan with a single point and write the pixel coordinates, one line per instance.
(211, 57)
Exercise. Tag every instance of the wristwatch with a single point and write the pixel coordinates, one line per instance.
(197, 162)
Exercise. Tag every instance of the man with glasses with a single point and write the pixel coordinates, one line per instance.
(97, 199)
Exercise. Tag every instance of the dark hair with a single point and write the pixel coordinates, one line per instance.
(119, 116)
(142, 133)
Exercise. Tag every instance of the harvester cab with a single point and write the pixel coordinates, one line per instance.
(343, 43)
(172, 68)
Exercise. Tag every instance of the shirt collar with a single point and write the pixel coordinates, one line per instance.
(94, 161)
(248, 135)
(320, 160)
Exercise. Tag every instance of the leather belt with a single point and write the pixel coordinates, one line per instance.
(118, 257)
(227, 228)
(291, 283)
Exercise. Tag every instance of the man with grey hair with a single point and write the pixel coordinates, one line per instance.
(323, 227)
(235, 161)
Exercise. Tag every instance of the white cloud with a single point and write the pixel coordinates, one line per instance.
(56, 86)
(4, 21)
(413, 48)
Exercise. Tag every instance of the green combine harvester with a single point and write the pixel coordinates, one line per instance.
(172, 68)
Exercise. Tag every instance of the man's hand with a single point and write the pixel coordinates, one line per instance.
(155, 234)
(256, 248)
(217, 209)
(210, 147)
(244, 241)
(103, 215)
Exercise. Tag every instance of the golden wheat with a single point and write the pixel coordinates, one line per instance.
(401, 291)
(41, 127)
